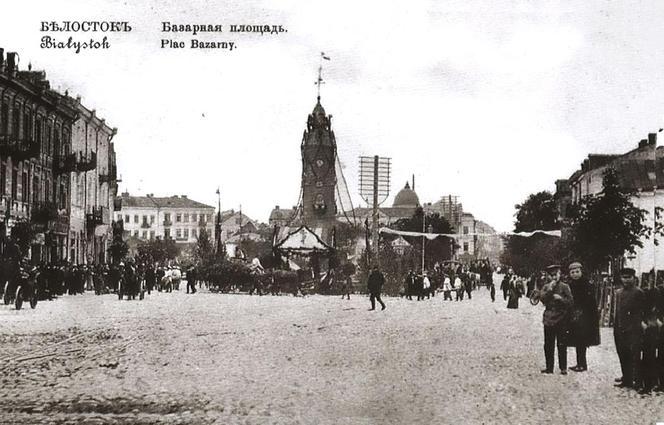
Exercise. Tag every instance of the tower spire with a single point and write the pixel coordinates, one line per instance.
(320, 73)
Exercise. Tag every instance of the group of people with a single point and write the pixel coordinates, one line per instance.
(571, 319)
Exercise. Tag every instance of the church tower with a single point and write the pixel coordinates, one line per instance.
(319, 149)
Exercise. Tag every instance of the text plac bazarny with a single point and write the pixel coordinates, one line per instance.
(198, 43)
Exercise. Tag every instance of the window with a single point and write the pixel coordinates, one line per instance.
(145, 219)
(465, 247)
(4, 118)
(465, 230)
(193, 233)
(3, 178)
(167, 217)
(186, 218)
(14, 182)
(145, 234)
(193, 218)
(35, 189)
(135, 233)
(119, 217)
(151, 219)
(167, 233)
(186, 233)
(178, 218)
(126, 218)
(25, 193)
(209, 217)
(151, 234)
(136, 218)
(178, 233)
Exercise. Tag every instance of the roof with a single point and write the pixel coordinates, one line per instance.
(406, 198)
(303, 240)
(157, 202)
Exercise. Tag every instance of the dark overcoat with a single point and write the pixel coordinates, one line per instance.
(584, 318)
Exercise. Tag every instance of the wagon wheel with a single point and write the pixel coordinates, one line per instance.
(534, 298)
(18, 301)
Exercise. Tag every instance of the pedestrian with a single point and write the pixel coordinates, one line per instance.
(458, 285)
(410, 284)
(505, 284)
(584, 318)
(191, 280)
(426, 286)
(375, 285)
(447, 288)
(557, 299)
(648, 369)
(346, 287)
(627, 326)
(514, 294)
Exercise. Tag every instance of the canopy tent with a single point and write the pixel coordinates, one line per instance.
(432, 236)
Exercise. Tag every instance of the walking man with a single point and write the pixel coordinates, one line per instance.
(557, 299)
(375, 285)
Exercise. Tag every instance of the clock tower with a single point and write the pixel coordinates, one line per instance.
(319, 150)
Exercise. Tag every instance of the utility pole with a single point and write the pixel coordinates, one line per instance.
(424, 220)
(374, 215)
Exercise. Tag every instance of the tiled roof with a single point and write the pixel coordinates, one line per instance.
(157, 202)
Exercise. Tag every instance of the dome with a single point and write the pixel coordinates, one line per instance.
(406, 198)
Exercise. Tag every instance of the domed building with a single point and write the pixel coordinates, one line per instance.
(406, 198)
(404, 205)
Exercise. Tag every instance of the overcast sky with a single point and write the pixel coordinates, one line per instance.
(487, 100)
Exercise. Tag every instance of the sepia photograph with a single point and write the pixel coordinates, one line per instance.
(331, 212)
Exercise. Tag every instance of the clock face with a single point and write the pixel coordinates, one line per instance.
(320, 162)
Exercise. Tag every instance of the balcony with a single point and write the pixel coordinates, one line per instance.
(202, 223)
(117, 204)
(168, 223)
(75, 162)
(110, 176)
(97, 217)
(19, 149)
(145, 225)
(45, 216)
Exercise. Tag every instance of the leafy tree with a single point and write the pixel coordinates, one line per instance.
(527, 255)
(437, 249)
(158, 250)
(608, 225)
(537, 212)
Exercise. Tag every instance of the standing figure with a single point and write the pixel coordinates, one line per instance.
(515, 293)
(505, 284)
(584, 320)
(557, 299)
(447, 288)
(375, 285)
(426, 286)
(458, 285)
(410, 284)
(346, 287)
(627, 326)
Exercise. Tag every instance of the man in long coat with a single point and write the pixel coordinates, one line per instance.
(584, 320)
(627, 326)
(375, 285)
(557, 298)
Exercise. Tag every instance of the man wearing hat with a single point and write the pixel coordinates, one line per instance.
(584, 320)
(557, 299)
(628, 316)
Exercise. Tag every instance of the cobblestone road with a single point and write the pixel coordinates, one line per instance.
(213, 358)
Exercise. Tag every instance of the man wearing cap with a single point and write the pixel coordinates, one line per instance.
(627, 322)
(375, 285)
(584, 320)
(557, 299)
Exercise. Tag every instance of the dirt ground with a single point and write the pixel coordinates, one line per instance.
(238, 359)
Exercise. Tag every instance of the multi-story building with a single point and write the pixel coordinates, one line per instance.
(175, 217)
(94, 179)
(35, 131)
(640, 172)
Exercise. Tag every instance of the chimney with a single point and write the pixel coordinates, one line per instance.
(276, 207)
(183, 196)
(413, 182)
(78, 98)
(652, 139)
(12, 63)
(643, 143)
